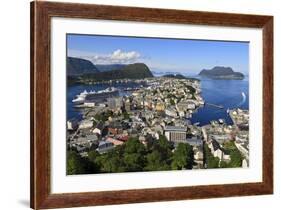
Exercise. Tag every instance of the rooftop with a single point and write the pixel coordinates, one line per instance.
(175, 128)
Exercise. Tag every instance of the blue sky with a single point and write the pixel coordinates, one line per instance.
(173, 55)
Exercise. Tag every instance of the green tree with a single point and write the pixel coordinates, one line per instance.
(75, 164)
(213, 162)
(164, 143)
(210, 160)
(223, 164)
(112, 161)
(159, 155)
(155, 162)
(126, 116)
(236, 159)
(165, 148)
(93, 158)
(134, 155)
(93, 155)
(103, 116)
(235, 155)
(183, 157)
(133, 145)
(134, 162)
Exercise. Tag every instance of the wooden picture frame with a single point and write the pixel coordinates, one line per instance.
(41, 14)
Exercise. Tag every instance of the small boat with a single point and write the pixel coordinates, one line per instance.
(221, 121)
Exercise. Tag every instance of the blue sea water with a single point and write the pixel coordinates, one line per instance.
(226, 93)
(74, 90)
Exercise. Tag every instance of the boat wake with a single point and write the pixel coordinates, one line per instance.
(243, 99)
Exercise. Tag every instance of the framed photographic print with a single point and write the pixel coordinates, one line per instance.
(139, 105)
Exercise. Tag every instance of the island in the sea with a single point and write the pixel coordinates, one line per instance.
(220, 72)
(179, 76)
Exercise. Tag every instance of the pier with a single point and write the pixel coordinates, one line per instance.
(214, 105)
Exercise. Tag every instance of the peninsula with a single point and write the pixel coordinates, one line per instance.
(82, 71)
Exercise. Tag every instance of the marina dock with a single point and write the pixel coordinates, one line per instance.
(214, 105)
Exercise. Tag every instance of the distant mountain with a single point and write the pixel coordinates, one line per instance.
(220, 72)
(176, 76)
(131, 71)
(171, 72)
(79, 66)
(137, 71)
(109, 67)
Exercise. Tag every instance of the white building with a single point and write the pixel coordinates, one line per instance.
(171, 112)
(72, 124)
(175, 134)
(89, 104)
(245, 163)
(216, 149)
(84, 124)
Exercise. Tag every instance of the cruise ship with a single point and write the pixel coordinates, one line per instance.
(95, 95)
(80, 99)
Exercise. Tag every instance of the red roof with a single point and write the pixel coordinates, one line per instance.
(123, 137)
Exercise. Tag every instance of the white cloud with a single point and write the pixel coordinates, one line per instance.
(117, 56)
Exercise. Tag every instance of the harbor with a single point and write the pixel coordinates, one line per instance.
(162, 108)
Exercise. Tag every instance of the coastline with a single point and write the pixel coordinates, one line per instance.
(179, 117)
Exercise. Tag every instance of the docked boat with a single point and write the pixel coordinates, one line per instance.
(221, 121)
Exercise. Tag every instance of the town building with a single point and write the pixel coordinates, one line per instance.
(198, 157)
(160, 107)
(186, 105)
(86, 123)
(89, 104)
(220, 138)
(72, 124)
(216, 149)
(171, 112)
(99, 128)
(114, 103)
(115, 142)
(195, 141)
(104, 146)
(127, 105)
(115, 128)
(175, 134)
